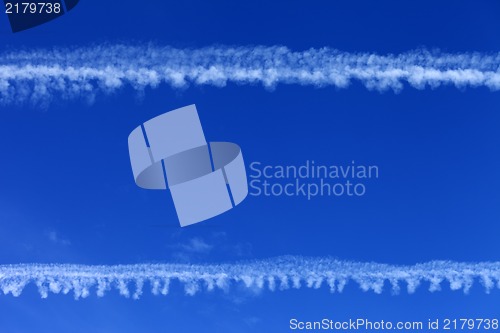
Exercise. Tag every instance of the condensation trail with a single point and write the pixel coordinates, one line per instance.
(37, 76)
(272, 274)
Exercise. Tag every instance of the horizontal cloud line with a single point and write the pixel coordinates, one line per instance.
(272, 274)
(41, 75)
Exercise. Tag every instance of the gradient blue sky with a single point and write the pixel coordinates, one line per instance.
(67, 194)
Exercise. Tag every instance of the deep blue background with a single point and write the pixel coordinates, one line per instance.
(67, 193)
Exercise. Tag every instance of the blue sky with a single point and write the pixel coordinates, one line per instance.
(67, 194)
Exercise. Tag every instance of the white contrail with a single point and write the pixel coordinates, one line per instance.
(278, 273)
(40, 75)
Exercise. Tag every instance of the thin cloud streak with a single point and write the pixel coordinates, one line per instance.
(272, 274)
(38, 76)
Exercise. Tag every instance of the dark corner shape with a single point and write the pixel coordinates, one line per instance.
(20, 21)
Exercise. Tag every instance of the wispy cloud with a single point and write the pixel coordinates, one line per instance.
(56, 238)
(40, 75)
(279, 273)
(196, 245)
(194, 248)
